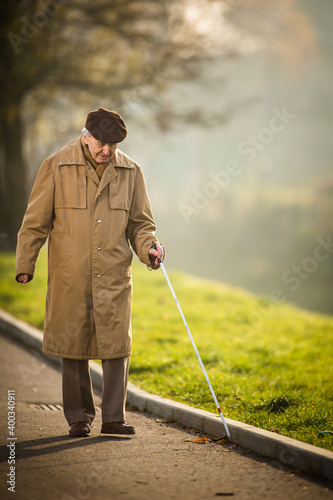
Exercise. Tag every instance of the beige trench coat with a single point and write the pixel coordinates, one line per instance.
(89, 224)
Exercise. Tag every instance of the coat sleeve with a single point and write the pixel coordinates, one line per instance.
(36, 222)
(141, 226)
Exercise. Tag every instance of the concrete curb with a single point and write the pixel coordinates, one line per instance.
(286, 450)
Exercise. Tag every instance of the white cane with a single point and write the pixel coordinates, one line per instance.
(195, 347)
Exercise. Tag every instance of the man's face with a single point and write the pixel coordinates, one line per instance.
(101, 152)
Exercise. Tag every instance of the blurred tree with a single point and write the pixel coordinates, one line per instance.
(80, 47)
(100, 48)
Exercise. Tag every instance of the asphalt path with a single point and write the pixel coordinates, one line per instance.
(161, 461)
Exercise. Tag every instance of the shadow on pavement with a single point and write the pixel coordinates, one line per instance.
(46, 446)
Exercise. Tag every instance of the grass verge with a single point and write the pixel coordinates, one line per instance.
(270, 365)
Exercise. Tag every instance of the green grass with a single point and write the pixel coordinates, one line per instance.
(270, 365)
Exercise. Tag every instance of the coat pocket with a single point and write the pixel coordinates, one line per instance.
(70, 189)
(120, 205)
(119, 215)
(121, 190)
(120, 209)
(119, 201)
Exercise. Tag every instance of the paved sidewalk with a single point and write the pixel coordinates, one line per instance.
(160, 462)
(299, 455)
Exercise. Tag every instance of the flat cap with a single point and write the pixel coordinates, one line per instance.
(106, 126)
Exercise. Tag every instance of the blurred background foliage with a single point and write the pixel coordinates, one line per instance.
(198, 84)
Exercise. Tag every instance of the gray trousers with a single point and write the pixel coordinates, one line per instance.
(78, 401)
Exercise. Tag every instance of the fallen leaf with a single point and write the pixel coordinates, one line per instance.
(200, 440)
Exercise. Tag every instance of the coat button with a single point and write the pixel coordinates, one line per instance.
(98, 248)
(98, 275)
(99, 194)
(99, 220)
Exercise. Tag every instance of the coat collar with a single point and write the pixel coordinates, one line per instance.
(72, 154)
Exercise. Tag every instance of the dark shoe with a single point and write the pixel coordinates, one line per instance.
(80, 429)
(117, 428)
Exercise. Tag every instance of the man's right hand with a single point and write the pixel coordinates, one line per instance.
(22, 278)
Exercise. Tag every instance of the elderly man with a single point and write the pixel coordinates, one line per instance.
(90, 200)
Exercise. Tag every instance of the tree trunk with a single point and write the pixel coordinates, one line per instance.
(13, 185)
